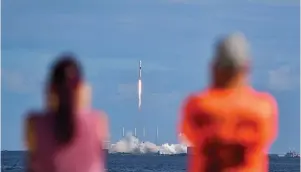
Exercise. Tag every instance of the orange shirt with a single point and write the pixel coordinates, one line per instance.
(227, 123)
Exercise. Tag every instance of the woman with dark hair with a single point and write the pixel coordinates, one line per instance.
(68, 135)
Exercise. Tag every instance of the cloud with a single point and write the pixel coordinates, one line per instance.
(283, 78)
(12, 80)
(24, 72)
(126, 20)
(191, 2)
(276, 2)
(17, 82)
(179, 1)
(245, 17)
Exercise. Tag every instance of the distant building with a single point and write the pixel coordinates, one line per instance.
(292, 154)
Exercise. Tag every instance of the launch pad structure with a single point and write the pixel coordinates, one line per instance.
(139, 88)
(144, 134)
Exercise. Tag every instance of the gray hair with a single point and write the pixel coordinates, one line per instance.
(232, 51)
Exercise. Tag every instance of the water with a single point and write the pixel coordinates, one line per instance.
(12, 161)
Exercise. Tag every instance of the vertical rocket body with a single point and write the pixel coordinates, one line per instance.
(139, 85)
(140, 66)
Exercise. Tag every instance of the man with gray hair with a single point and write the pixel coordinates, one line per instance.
(230, 125)
(231, 61)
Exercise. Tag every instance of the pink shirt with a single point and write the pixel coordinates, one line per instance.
(83, 154)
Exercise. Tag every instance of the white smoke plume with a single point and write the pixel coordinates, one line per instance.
(131, 144)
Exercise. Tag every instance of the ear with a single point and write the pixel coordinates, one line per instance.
(84, 95)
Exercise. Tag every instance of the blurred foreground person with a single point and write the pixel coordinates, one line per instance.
(68, 135)
(230, 125)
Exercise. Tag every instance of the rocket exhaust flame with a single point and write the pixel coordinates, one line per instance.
(139, 87)
(139, 93)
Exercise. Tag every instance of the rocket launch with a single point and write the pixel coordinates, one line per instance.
(139, 87)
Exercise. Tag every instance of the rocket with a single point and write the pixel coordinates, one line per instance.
(140, 70)
(139, 86)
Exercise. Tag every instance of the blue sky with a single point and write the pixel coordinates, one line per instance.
(173, 38)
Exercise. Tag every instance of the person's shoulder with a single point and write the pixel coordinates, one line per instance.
(100, 115)
(191, 99)
(266, 102)
(102, 124)
(266, 98)
(196, 96)
(33, 115)
(194, 100)
(97, 112)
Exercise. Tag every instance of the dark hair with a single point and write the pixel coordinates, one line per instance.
(63, 83)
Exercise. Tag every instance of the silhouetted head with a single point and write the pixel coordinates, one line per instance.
(231, 61)
(64, 82)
